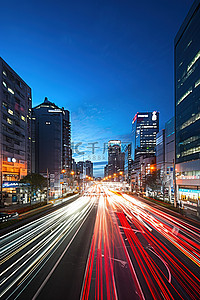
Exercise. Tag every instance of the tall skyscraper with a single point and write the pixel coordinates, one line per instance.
(187, 108)
(145, 126)
(51, 141)
(15, 130)
(89, 168)
(115, 157)
(106, 171)
(80, 167)
(85, 168)
(127, 163)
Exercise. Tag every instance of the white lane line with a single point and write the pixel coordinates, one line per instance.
(58, 261)
(164, 262)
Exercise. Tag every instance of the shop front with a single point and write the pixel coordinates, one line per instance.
(189, 199)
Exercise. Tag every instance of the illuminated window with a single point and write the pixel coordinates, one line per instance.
(197, 83)
(4, 84)
(10, 112)
(4, 105)
(191, 151)
(23, 118)
(184, 96)
(4, 73)
(193, 61)
(11, 91)
(190, 140)
(9, 121)
(190, 121)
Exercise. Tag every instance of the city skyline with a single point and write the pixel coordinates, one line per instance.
(88, 57)
(100, 150)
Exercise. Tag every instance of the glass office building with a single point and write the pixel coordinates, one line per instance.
(187, 88)
(51, 142)
(115, 157)
(145, 126)
(187, 109)
(127, 163)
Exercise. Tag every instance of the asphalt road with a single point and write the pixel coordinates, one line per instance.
(104, 245)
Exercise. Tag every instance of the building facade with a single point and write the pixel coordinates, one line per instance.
(140, 172)
(80, 167)
(115, 157)
(85, 168)
(89, 168)
(187, 110)
(15, 130)
(169, 158)
(165, 158)
(127, 163)
(106, 171)
(160, 152)
(145, 126)
(51, 144)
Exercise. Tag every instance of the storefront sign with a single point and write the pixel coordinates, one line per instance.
(10, 184)
(189, 191)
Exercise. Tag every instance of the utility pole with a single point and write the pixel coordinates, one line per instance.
(47, 186)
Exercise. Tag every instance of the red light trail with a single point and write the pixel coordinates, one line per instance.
(157, 250)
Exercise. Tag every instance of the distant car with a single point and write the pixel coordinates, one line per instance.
(8, 216)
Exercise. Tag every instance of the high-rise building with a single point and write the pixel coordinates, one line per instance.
(85, 168)
(51, 142)
(160, 152)
(80, 167)
(145, 126)
(89, 168)
(187, 109)
(169, 157)
(115, 157)
(127, 163)
(74, 167)
(15, 130)
(169, 143)
(106, 171)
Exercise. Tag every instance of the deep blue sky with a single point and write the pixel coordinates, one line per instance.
(102, 60)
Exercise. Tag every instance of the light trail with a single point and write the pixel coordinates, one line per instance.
(30, 247)
(136, 251)
(158, 270)
(106, 246)
(146, 219)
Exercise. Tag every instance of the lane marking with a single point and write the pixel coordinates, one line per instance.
(58, 261)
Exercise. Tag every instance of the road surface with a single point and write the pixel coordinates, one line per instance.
(103, 245)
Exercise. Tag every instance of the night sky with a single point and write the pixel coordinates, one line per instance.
(101, 60)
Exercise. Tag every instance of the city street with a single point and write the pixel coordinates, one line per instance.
(103, 245)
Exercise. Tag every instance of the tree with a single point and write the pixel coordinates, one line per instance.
(153, 180)
(36, 181)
